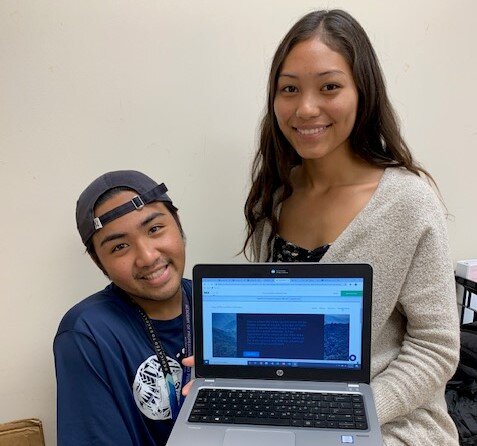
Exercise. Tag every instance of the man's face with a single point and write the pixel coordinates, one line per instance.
(142, 252)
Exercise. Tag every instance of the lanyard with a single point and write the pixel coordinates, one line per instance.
(174, 401)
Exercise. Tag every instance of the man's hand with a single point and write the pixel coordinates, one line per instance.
(188, 362)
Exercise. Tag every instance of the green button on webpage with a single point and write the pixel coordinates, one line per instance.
(351, 293)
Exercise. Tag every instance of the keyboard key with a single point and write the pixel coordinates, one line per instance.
(262, 421)
(346, 424)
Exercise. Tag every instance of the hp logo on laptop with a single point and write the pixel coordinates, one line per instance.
(279, 372)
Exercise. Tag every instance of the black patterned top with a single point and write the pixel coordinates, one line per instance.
(284, 251)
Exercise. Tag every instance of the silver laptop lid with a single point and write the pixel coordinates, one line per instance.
(297, 321)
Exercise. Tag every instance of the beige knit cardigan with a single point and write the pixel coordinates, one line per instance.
(402, 233)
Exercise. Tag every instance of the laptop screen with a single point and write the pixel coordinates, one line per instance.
(283, 322)
(296, 321)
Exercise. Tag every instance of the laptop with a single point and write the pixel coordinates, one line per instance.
(282, 357)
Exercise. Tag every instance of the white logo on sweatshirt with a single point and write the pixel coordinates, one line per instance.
(149, 388)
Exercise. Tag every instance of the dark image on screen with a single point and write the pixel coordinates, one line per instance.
(287, 336)
(336, 339)
(224, 335)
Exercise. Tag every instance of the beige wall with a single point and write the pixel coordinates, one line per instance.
(175, 88)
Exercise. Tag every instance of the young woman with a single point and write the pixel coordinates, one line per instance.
(334, 181)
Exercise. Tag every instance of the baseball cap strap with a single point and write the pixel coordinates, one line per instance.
(158, 193)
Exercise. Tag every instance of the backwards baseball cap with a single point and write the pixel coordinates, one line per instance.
(147, 189)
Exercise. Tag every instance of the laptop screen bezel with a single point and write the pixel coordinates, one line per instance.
(291, 270)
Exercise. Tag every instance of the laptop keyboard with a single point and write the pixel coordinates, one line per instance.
(280, 408)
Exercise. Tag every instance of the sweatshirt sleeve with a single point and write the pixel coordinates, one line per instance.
(88, 413)
(430, 349)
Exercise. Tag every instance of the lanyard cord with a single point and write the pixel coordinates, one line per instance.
(187, 330)
(161, 355)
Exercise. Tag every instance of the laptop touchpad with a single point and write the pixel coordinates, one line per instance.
(262, 437)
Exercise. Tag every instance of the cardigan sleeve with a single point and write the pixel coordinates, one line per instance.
(430, 348)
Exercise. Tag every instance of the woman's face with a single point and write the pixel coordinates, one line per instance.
(316, 100)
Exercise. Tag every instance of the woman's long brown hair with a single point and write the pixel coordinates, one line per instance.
(375, 137)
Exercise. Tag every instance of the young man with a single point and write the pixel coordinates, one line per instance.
(118, 352)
